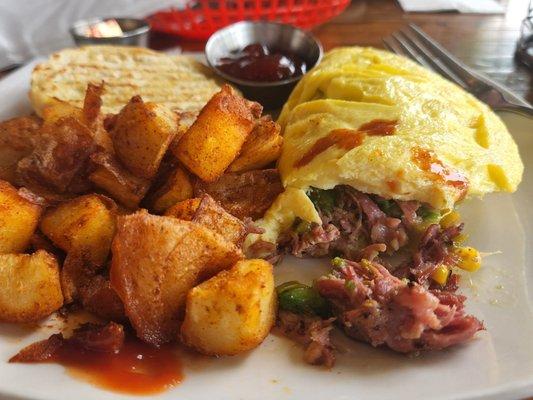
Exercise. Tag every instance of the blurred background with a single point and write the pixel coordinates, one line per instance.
(485, 34)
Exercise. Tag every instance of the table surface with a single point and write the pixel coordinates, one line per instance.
(484, 42)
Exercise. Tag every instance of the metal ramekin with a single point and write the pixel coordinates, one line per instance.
(135, 32)
(282, 37)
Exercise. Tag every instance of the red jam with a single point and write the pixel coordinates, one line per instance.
(260, 64)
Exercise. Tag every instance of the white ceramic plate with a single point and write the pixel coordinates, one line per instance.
(496, 365)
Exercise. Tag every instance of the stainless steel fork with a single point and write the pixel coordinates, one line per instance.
(420, 47)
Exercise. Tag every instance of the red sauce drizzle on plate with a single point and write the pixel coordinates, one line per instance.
(137, 368)
(428, 161)
(348, 138)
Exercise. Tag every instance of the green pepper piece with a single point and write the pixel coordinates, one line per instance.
(302, 299)
(324, 200)
(389, 207)
(428, 214)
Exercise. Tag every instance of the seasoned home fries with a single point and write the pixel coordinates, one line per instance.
(118, 213)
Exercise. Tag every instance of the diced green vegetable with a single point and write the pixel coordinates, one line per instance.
(302, 299)
(324, 200)
(389, 207)
(428, 214)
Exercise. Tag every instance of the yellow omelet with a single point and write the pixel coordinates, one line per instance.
(384, 125)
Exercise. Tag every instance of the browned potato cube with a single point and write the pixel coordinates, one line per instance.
(184, 210)
(262, 147)
(16, 142)
(89, 116)
(247, 194)
(141, 135)
(60, 157)
(178, 187)
(19, 217)
(215, 139)
(84, 223)
(231, 312)
(156, 260)
(121, 185)
(59, 109)
(206, 211)
(29, 286)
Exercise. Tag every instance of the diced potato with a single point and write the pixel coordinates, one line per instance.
(29, 286)
(231, 312)
(76, 269)
(178, 187)
(60, 157)
(215, 139)
(247, 194)
(156, 261)
(141, 135)
(89, 116)
(84, 223)
(121, 185)
(184, 210)
(19, 217)
(206, 211)
(262, 147)
(16, 142)
(98, 297)
(60, 109)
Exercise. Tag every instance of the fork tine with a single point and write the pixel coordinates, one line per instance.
(387, 45)
(409, 52)
(392, 46)
(421, 51)
(452, 63)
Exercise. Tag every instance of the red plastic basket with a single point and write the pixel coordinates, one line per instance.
(200, 18)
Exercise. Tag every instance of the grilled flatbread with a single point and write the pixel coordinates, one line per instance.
(179, 82)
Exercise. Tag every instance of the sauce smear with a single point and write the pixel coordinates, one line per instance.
(136, 369)
(348, 138)
(428, 161)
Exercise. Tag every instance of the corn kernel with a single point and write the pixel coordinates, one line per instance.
(461, 238)
(441, 274)
(469, 258)
(450, 219)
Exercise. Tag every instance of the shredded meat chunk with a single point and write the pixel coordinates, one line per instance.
(353, 222)
(374, 306)
(313, 333)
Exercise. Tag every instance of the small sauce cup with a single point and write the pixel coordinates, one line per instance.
(283, 38)
(111, 31)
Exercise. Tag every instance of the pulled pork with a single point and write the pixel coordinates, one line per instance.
(351, 220)
(374, 306)
(312, 332)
